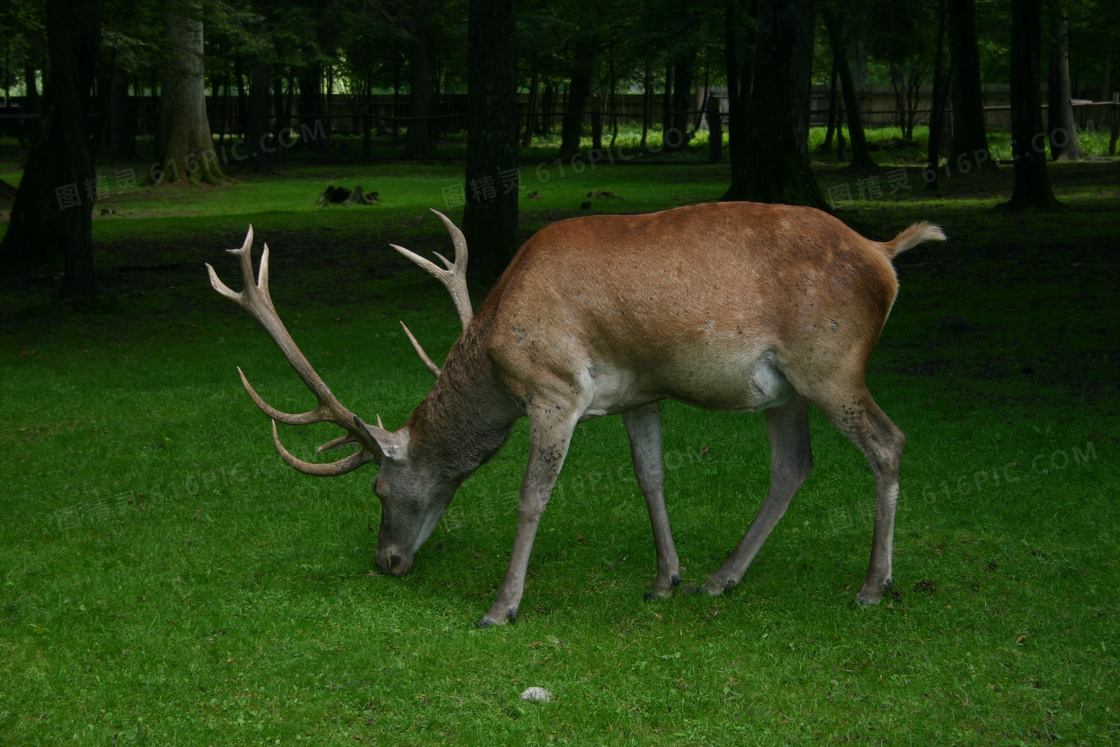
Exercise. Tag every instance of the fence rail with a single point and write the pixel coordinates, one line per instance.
(388, 114)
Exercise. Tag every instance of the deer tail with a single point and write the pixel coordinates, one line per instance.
(916, 234)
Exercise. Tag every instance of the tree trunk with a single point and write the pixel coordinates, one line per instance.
(186, 148)
(647, 103)
(31, 101)
(677, 137)
(861, 156)
(52, 213)
(242, 112)
(33, 104)
(715, 131)
(777, 167)
(289, 103)
(1106, 68)
(579, 93)
(937, 104)
(122, 130)
(493, 180)
(531, 110)
(739, 52)
(311, 106)
(547, 107)
(1028, 137)
(278, 122)
(256, 118)
(830, 130)
(418, 138)
(1061, 125)
(613, 106)
(970, 135)
(596, 122)
(667, 103)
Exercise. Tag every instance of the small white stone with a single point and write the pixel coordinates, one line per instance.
(536, 695)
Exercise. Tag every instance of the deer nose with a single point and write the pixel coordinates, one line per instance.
(391, 561)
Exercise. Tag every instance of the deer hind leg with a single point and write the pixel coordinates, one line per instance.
(868, 427)
(791, 461)
(644, 426)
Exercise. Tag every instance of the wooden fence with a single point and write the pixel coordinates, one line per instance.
(387, 114)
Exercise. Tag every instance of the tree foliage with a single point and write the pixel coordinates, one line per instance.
(272, 66)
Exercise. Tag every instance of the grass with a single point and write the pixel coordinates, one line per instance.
(166, 579)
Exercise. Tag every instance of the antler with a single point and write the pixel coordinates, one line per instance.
(255, 299)
(454, 278)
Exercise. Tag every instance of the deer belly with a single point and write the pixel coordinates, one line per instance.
(613, 389)
(751, 383)
(740, 383)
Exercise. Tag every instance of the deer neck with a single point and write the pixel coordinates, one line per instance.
(466, 416)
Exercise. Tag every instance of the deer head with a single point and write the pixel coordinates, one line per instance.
(414, 492)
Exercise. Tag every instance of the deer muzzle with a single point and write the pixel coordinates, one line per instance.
(394, 561)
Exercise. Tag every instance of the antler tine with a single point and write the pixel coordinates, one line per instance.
(457, 236)
(330, 469)
(307, 418)
(420, 351)
(256, 300)
(459, 293)
(243, 252)
(454, 277)
(336, 443)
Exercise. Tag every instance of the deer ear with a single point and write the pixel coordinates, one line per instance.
(394, 444)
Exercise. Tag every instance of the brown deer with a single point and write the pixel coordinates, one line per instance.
(726, 306)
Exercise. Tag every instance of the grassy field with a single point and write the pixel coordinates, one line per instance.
(166, 579)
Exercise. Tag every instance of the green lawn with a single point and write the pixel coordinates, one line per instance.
(166, 579)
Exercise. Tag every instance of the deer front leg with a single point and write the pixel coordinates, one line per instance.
(791, 461)
(550, 433)
(644, 426)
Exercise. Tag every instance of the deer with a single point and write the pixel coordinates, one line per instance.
(730, 306)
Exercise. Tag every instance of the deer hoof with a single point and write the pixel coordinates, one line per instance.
(866, 597)
(490, 619)
(662, 590)
(714, 587)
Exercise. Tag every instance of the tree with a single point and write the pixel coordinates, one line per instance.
(776, 167)
(52, 214)
(741, 31)
(186, 146)
(1028, 138)
(257, 114)
(861, 156)
(1062, 126)
(490, 217)
(684, 64)
(937, 108)
(902, 38)
(585, 51)
(418, 137)
(122, 132)
(970, 136)
(125, 55)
